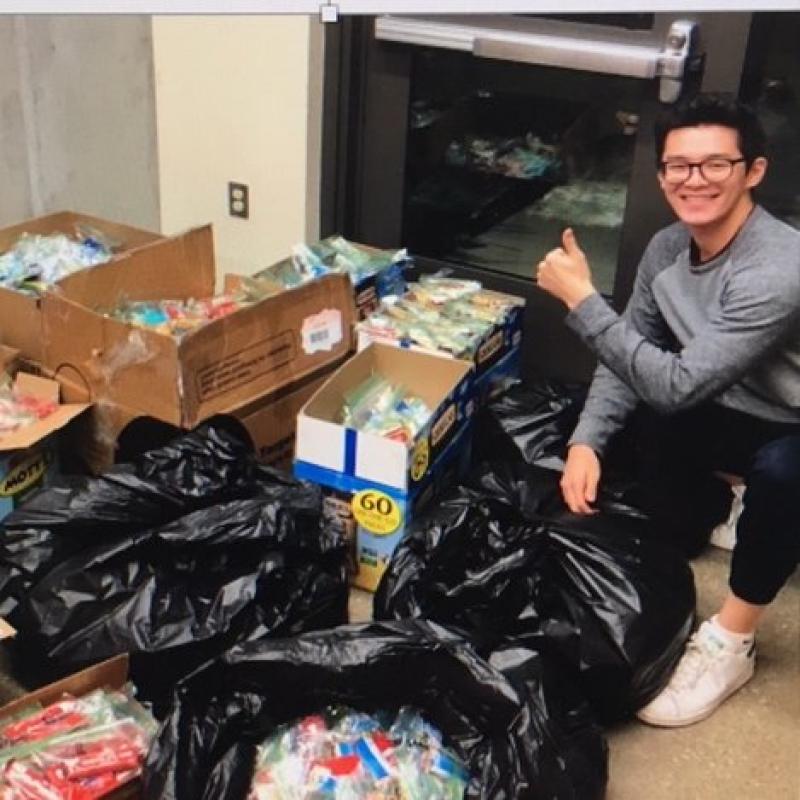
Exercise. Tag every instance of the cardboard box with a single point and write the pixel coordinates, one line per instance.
(29, 456)
(497, 358)
(385, 482)
(222, 365)
(270, 421)
(367, 293)
(20, 313)
(110, 674)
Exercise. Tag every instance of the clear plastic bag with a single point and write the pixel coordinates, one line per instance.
(347, 755)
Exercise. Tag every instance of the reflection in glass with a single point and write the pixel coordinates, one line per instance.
(498, 166)
(777, 100)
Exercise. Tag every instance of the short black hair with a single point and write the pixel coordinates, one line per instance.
(714, 108)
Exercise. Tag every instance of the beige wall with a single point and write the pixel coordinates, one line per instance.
(239, 98)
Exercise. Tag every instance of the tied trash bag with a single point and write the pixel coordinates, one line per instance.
(246, 560)
(496, 714)
(505, 561)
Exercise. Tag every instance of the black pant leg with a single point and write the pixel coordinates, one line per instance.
(675, 457)
(768, 533)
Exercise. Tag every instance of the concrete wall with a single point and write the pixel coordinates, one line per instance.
(239, 99)
(15, 191)
(91, 142)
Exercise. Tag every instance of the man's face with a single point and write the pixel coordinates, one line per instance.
(697, 201)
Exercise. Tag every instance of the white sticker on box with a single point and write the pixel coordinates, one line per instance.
(322, 331)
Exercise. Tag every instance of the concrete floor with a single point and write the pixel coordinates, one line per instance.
(748, 750)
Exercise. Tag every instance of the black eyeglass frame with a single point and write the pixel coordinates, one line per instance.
(691, 165)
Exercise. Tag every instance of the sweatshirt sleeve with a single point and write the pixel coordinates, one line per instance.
(607, 407)
(611, 400)
(755, 314)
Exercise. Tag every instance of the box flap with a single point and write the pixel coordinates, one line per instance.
(112, 673)
(30, 434)
(8, 357)
(36, 386)
(266, 345)
(119, 235)
(115, 361)
(170, 269)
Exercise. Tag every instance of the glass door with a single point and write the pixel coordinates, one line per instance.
(498, 164)
(771, 83)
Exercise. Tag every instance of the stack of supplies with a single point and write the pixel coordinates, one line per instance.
(346, 754)
(74, 749)
(36, 261)
(440, 313)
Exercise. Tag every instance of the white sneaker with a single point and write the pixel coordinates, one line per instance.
(710, 670)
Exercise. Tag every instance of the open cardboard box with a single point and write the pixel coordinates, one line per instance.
(224, 364)
(497, 357)
(28, 454)
(20, 313)
(381, 483)
(269, 420)
(367, 293)
(110, 674)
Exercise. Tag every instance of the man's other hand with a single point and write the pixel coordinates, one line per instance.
(580, 479)
(564, 272)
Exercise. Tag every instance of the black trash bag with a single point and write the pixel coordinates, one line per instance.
(179, 594)
(173, 558)
(530, 422)
(533, 422)
(608, 600)
(211, 464)
(498, 717)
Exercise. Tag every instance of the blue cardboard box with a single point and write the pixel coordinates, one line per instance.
(496, 360)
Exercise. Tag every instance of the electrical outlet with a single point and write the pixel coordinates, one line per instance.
(239, 200)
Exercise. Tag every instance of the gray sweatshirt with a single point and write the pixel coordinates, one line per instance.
(727, 330)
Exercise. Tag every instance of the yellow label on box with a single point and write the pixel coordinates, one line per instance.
(376, 512)
(419, 460)
(24, 474)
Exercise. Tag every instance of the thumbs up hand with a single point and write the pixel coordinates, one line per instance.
(564, 272)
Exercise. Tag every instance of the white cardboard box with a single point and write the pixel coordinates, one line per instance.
(384, 481)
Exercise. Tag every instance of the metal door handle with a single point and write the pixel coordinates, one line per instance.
(554, 48)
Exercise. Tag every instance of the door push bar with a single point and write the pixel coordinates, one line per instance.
(669, 63)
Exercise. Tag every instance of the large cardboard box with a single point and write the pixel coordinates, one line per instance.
(270, 421)
(20, 315)
(222, 365)
(376, 485)
(109, 674)
(29, 455)
(496, 359)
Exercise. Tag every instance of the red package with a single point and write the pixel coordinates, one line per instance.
(60, 717)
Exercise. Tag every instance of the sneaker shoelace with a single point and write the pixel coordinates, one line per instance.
(700, 653)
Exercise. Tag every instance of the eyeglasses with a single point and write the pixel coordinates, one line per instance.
(714, 170)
